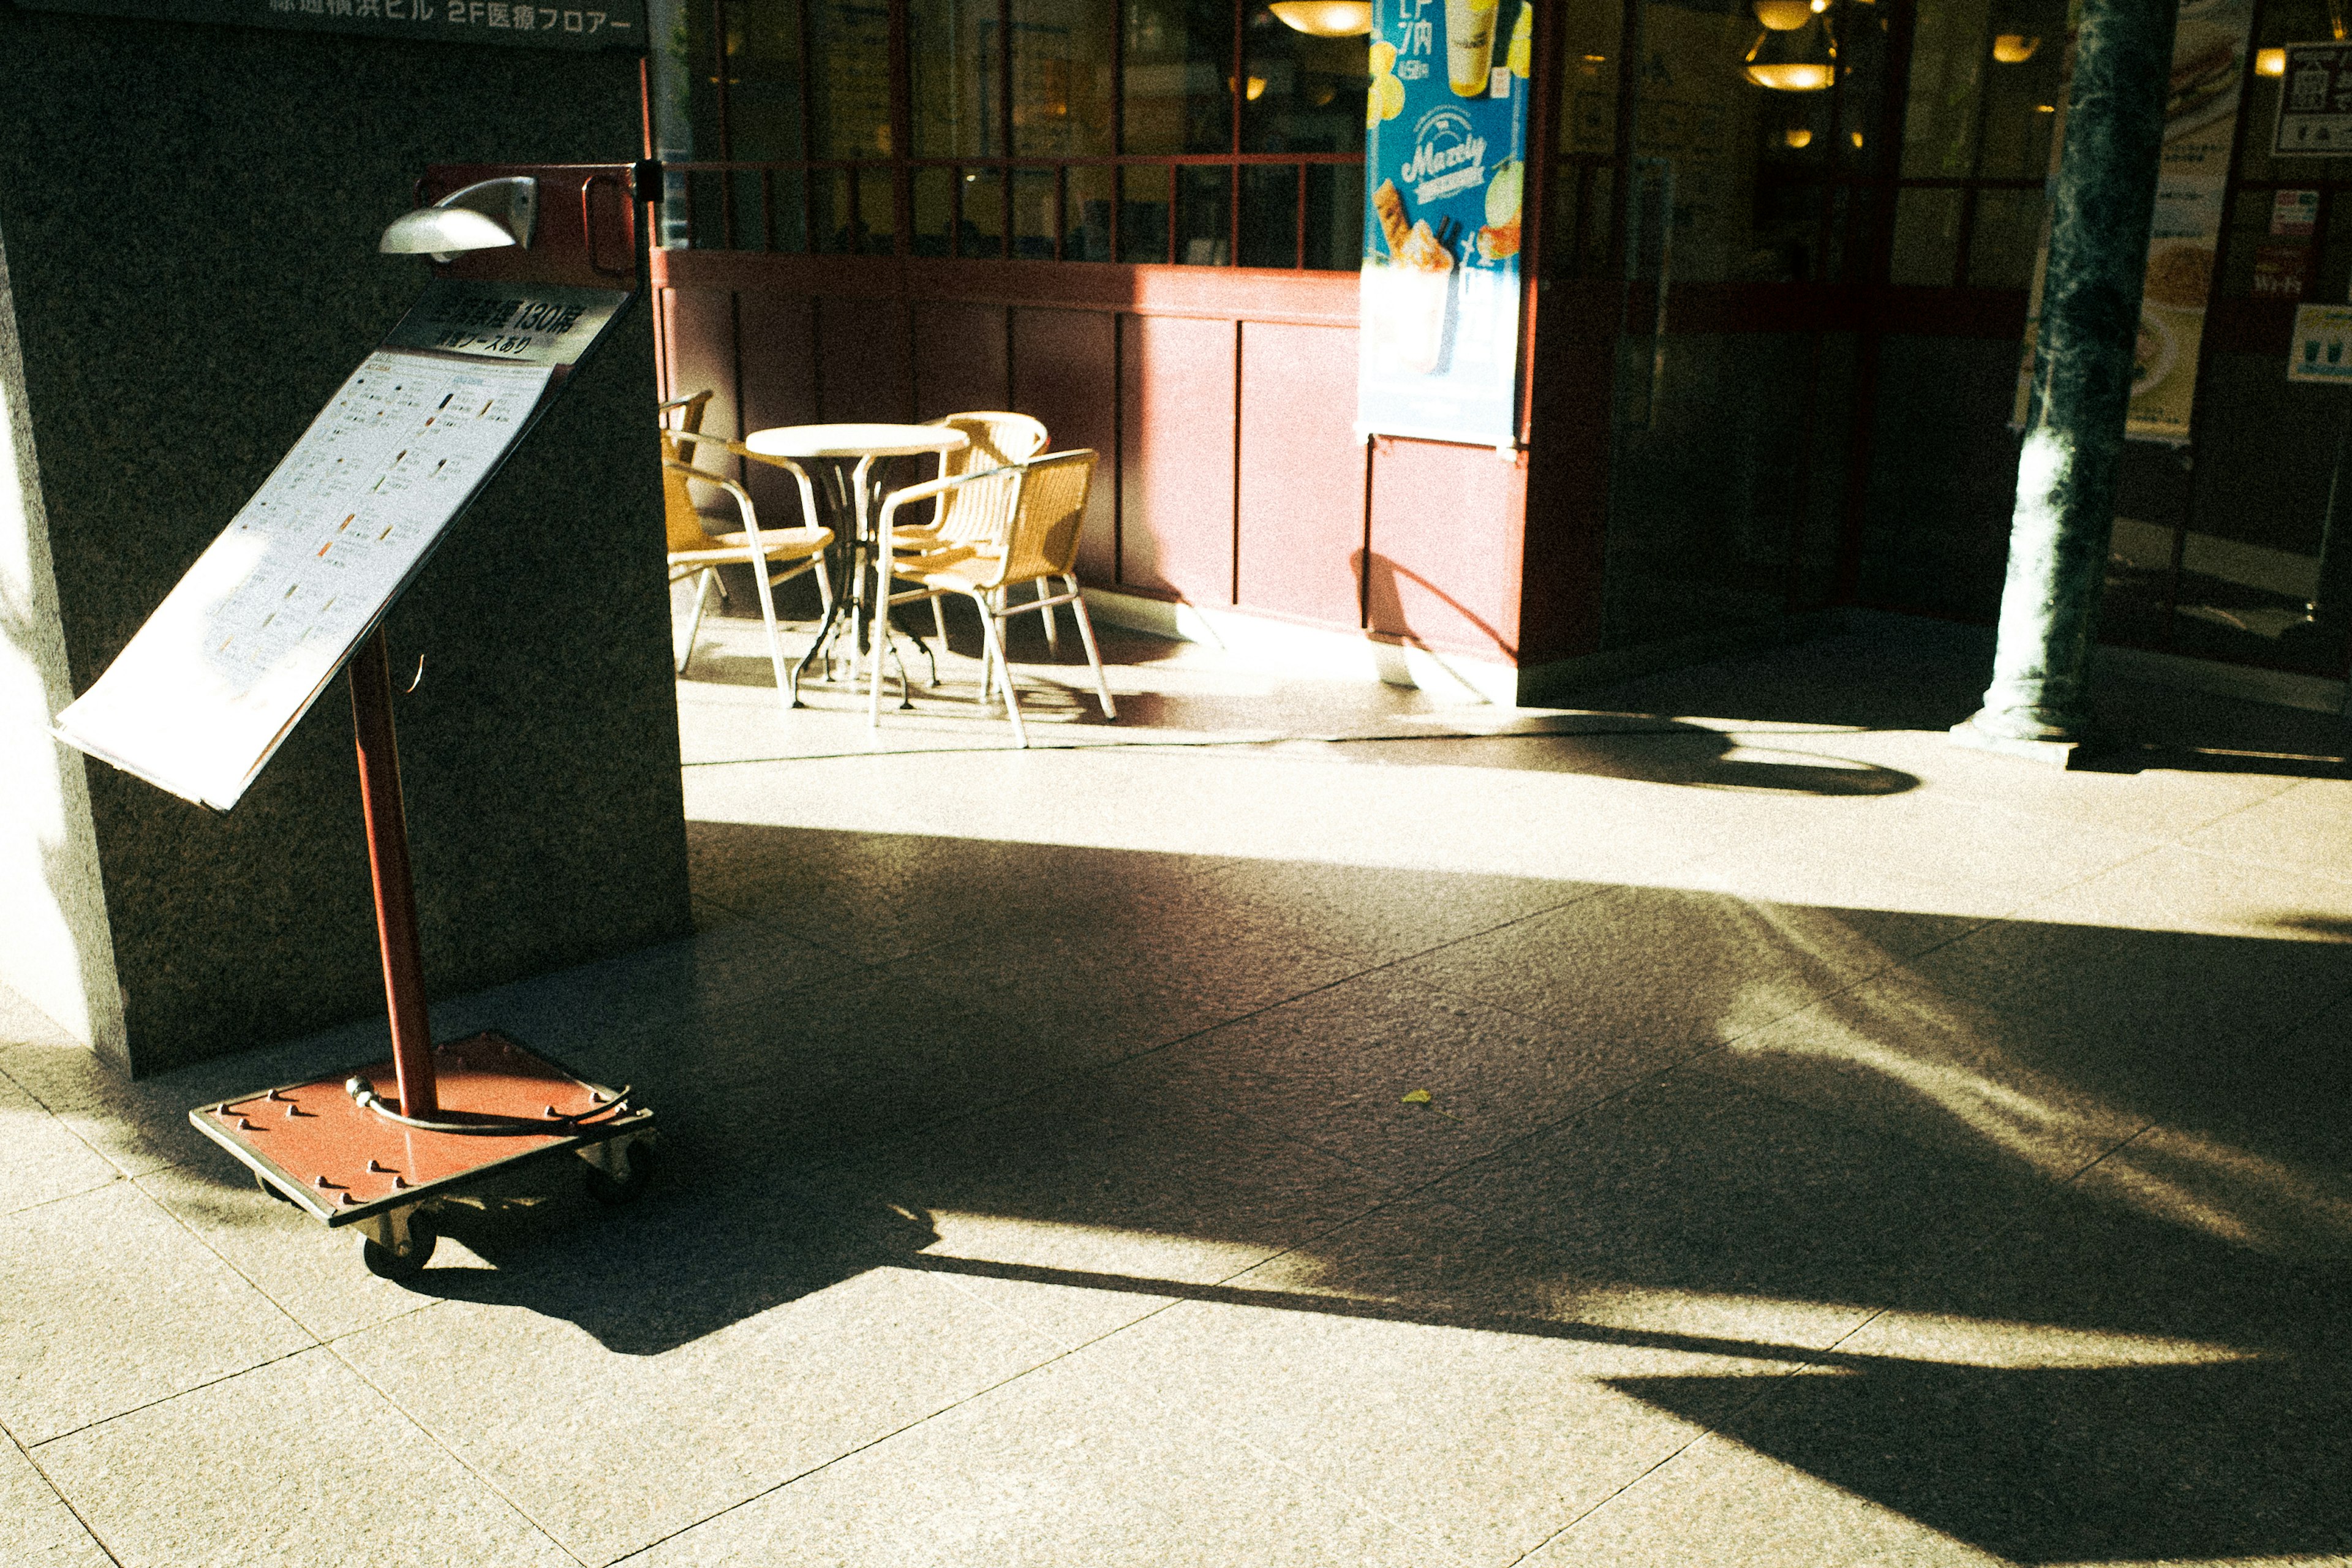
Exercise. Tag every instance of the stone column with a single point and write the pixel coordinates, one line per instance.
(2100, 207)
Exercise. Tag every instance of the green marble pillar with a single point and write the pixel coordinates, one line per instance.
(2101, 205)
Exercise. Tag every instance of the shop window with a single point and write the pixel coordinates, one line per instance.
(849, 80)
(1177, 55)
(953, 48)
(1061, 76)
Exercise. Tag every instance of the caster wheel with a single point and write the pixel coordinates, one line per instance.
(267, 1186)
(613, 1191)
(385, 1264)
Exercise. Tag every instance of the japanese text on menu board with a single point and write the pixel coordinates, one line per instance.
(237, 651)
(1444, 167)
(613, 24)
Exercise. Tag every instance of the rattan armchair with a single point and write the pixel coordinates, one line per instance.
(775, 554)
(1019, 524)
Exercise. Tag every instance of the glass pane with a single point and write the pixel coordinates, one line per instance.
(788, 207)
(1335, 216)
(1715, 492)
(1588, 89)
(877, 217)
(983, 233)
(1034, 224)
(1062, 78)
(1984, 85)
(705, 202)
(2250, 565)
(1177, 96)
(763, 82)
(2007, 236)
(2021, 96)
(1085, 213)
(1926, 238)
(934, 198)
(750, 210)
(1270, 215)
(1301, 94)
(849, 77)
(1143, 207)
(952, 46)
(829, 207)
(682, 77)
(1203, 215)
(1950, 53)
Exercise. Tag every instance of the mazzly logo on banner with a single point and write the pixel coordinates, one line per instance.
(1445, 170)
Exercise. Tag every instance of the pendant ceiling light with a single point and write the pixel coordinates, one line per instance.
(1785, 16)
(2014, 48)
(1325, 18)
(1803, 58)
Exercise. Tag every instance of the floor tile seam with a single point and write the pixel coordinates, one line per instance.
(1713, 1430)
(227, 1262)
(1062, 1353)
(1832, 1114)
(1404, 1194)
(9, 1214)
(163, 1399)
(64, 1502)
(426, 1431)
(1184, 1407)
(1701, 1436)
(1067, 1080)
(2263, 863)
(2020, 813)
(1860, 979)
(1398, 960)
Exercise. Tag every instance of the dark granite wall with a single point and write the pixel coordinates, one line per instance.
(189, 215)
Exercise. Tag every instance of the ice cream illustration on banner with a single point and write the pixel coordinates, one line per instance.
(1420, 284)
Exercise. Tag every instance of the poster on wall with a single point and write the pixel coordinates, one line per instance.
(2209, 59)
(1444, 171)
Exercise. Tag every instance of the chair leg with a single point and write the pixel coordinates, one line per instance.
(874, 693)
(938, 623)
(1094, 655)
(785, 686)
(1053, 629)
(989, 629)
(702, 582)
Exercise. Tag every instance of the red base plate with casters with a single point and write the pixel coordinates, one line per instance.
(317, 1147)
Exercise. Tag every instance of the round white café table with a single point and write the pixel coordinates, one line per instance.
(850, 454)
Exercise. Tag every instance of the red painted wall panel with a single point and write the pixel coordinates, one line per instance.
(1301, 525)
(701, 354)
(1448, 531)
(1567, 472)
(862, 369)
(960, 358)
(1064, 371)
(1176, 445)
(778, 364)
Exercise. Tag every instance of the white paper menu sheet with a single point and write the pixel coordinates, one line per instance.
(203, 695)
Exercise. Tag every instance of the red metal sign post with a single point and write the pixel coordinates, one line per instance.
(395, 889)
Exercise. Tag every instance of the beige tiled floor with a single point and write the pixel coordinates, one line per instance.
(1720, 1123)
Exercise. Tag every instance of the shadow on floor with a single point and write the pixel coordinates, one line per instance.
(2241, 1460)
(1209, 1103)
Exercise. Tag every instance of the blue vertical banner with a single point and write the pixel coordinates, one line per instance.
(1444, 172)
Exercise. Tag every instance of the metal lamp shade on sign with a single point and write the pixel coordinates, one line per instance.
(485, 215)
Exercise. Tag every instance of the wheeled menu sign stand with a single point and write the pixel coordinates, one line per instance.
(296, 588)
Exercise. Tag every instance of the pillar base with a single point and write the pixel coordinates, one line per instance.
(2050, 754)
